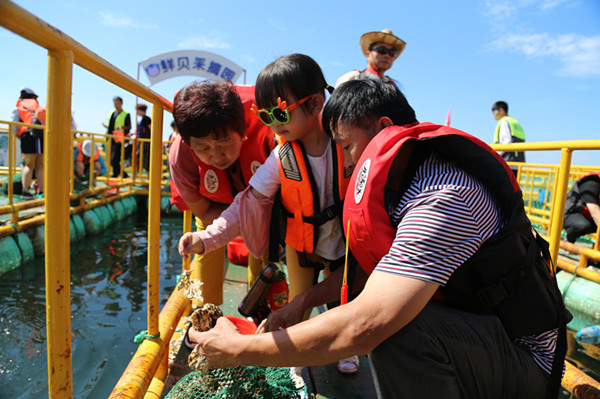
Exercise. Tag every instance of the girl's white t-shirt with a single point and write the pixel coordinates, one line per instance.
(266, 180)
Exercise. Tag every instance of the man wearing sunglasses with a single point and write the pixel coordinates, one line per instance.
(381, 49)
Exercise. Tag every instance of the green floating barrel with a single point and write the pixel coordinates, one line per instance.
(111, 211)
(26, 247)
(37, 236)
(92, 222)
(79, 226)
(10, 255)
(582, 298)
(119, 210)
(104, 216)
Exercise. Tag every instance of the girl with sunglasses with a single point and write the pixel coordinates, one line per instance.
(307, 169)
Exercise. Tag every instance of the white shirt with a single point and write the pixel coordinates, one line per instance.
(266, 180)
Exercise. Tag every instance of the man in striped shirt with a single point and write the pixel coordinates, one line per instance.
(426, 233)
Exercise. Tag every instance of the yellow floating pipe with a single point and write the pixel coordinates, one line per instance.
(154, 218)
(56, 167)
(580, 384)
(21, 206)
(25, 24)
(581, 272)
(158, 382)
(136, 378)
(558, 206)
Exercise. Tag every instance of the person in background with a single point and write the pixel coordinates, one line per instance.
(119, 126)
(508, 130)
(81, 160)
(438, 225)
(143, 132)
(29, 111)
(381, 49)
(582, 210)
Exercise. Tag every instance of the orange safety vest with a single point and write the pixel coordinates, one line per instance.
(81, 156)
(27, 108)
(300, 198)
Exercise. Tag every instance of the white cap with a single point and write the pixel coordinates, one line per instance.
(86, 148)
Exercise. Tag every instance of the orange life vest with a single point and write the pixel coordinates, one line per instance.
(81, 156)
(300, 198)
(27, 108)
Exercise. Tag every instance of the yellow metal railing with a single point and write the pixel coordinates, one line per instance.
(561, 183)
(63, 52)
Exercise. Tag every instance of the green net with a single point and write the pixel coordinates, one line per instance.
(237, 382)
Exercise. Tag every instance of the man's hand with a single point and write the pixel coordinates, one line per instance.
(285, 317)
(219, 344)
(190, 243)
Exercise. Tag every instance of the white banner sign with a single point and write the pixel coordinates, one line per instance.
(190, 62)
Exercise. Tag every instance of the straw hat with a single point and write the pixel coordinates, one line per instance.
(385, 36)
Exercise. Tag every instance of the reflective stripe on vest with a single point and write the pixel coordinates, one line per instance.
(300, 197)
(119, 121)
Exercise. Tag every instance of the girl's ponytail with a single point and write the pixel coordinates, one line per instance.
(329, 89)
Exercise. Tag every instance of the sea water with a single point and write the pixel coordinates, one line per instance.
(108, 308)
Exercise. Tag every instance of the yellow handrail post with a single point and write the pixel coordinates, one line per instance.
(154, 198)
(58, 283)
(11, 162)
(558, 206)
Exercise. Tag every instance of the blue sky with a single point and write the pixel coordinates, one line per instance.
(540, 56)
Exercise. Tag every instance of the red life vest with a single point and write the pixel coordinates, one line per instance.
(27, 108)
(81, 156)
(507, 276)
(371, 233)
(215, 184)
(300, 198)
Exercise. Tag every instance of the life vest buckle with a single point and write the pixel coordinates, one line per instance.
(493, 295)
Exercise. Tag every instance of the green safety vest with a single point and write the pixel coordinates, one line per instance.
(518, 136)
(119, 121)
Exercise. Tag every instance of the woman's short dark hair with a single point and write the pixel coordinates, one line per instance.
(203, 109)
(361, 102)
(295, 75)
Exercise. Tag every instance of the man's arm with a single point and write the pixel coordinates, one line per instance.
(326, 291)
(385, 306)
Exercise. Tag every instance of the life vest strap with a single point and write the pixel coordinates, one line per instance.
(322, 217)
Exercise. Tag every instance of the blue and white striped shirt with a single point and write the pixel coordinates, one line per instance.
(442, 220)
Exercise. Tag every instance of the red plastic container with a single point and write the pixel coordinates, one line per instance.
(237, 252)
(245, 326)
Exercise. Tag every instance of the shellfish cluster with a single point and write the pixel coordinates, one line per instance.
(203, 319)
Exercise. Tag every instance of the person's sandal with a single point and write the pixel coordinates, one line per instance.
(348, 365)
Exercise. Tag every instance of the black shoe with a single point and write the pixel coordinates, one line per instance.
(26, 195)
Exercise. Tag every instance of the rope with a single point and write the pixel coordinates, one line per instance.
(142, 335)
(568, 285)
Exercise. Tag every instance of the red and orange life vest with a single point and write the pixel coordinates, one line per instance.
(215, 184)
(300, 198)
(27, 108)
